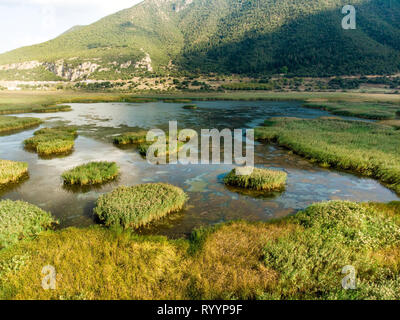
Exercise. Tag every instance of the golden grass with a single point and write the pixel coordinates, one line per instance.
(12, 171)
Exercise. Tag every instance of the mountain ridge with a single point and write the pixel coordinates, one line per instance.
(248, 37)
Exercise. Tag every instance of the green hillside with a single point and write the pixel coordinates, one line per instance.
(224, 36)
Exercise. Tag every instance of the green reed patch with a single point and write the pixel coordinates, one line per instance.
(333, 235)
(20, 220)
(258, 179)
(190, 107)
(130, 138)
(376, 111)
(91, 173)
(12, 171)
(8, 123)
(139, 205)
(51, 141)
(366, 148)
(177, 100)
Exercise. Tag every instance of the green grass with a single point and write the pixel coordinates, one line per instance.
(366, 148)
(258, 179)
(52, 141)
(190, 107)
(91, 173)
(300, 257)
(139, 205)
(21, 220)
(16, 123)
(177, 100)
(33, 109)
(378, 111)
(12, 171)
(130, 138)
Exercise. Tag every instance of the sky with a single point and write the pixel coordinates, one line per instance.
(26, 22)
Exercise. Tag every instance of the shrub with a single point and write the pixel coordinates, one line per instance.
(11, 171)
(139, 205)
(50, 141)
(21, 220)
(259, 179)
(91, 173)
(8, 123)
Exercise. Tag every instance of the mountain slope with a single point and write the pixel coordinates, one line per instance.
(224, 36)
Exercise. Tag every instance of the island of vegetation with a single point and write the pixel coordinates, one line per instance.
(52, 141)
(21, 220)
(256, 179)
(137, 206)
(131, 138)
(91, 173)
(12, 171)
(190, 107)
(8, 123)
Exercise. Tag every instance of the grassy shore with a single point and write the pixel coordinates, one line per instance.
(257, 179)
(91, 173)
(130, 138)
(301, 257)
(52, 141)
(366, 148)
(12, 171)
(21, 220)
(15, 123)
(377, 111)
(26, 101)
(139, 205)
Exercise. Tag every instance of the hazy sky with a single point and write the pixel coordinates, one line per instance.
(26, 22)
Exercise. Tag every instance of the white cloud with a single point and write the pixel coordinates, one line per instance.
(25, 22)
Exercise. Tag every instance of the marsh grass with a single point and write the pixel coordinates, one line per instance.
(34, 109)
(172, 100)
(12, 171)
(259, 179)
(52, 141)
(8, 123)
(190, 107)
(139, 205)
(366, 148)
(130, 138)
(20, 220)
(299, 257)
(377, 111)
(91, 173)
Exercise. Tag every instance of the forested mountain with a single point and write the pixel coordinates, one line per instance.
(251, 37)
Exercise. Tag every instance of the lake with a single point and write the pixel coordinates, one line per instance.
(210, 200)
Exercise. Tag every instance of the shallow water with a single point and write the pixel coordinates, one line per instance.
(210, 201)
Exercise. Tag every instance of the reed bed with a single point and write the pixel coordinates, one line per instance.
(91, 173)
(52, 141)
(8, 123)
(12, 171)
(134, 207)
(369, 149)
(258, 179)
(20, 220)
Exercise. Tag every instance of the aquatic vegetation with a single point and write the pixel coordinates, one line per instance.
(366, 148)
(332, 235)
(258, 179)
(139, 205)
(394, 123)
(300, 257)
(177, 100)
(12, 171)
(379, 111)
(50, 141)
(91, 173)
(130, 138)
(20, 220)
(138, 100)
(8, 123)
(190, 107)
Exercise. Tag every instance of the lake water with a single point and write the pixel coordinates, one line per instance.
(210, 201)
